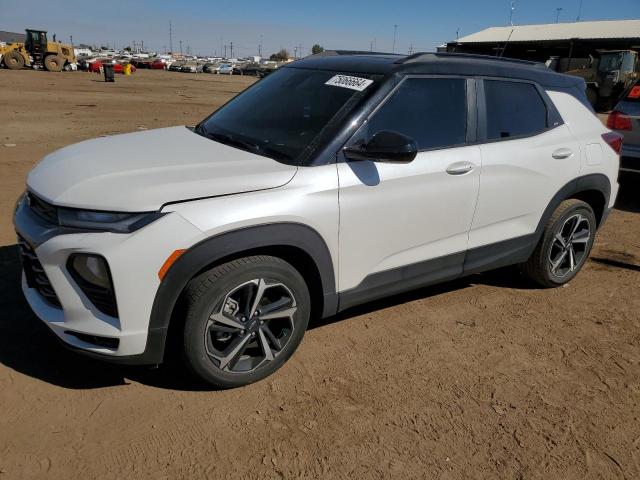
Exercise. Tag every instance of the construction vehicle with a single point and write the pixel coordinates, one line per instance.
(606, 76)
(37, 51)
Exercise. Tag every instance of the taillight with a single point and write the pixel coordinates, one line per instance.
(614, 140)
(618, 121)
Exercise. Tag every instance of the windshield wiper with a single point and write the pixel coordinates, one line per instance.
(232, 142)
(251, 147)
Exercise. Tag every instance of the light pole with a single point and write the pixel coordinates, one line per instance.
(579, 10)
(558, 10)
(395, 29)
(513, 7)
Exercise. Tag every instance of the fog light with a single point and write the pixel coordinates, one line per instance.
(92, 268)
(92, 275)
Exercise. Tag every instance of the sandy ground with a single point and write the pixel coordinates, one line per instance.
(484, 377)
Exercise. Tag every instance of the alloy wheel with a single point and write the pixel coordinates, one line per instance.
(251, 327)
(570, 245)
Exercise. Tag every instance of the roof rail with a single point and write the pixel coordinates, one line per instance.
(421, 56)
(331, 53)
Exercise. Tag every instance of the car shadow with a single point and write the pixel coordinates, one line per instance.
(27, 346)
(616, 263)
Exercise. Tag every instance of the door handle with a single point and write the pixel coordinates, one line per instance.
(460, 168)
(562, 153)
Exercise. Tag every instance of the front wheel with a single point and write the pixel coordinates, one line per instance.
(13, 61)
(565, 245)
(244, 319)
(54, 63)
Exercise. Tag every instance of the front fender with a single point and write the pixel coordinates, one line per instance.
(218, 247)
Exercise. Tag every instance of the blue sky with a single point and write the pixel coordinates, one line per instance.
(205, 26)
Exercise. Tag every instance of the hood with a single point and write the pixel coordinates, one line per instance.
(142, 171)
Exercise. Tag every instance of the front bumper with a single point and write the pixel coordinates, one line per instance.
(134, 260)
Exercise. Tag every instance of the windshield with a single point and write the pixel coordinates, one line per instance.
(286, 114)
(609, 62)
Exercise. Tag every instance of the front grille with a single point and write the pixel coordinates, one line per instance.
(43, 209)
(34, 273)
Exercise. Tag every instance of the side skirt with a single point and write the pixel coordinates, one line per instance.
(437, 270)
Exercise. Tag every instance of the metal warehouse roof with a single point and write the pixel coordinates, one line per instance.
(11, 37)
(557, 31)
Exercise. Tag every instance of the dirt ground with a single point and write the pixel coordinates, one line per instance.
(485, 377)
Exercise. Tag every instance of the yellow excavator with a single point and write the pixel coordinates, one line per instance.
(37, 51)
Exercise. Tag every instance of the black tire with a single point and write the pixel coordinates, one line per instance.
(13, 61)
(54, 63)
(208, 344)
(555, 261)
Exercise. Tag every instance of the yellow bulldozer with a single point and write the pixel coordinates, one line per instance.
(37, 51)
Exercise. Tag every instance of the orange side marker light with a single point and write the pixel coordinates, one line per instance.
(169, 261)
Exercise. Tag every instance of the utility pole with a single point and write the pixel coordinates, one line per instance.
(558, 10)
(371, 46)
(395, 29)
(260, 47)
(142, 45)
(170, 38)
(411, 49)
(225, 50)
(180, 47)
(513, 7)
(458, 33)
(71, 38)
(579, 10)
(231, 48)
(295, 52)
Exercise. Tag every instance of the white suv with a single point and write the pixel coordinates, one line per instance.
(336, 180)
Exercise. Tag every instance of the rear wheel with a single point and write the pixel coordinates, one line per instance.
(14, 61)
(54, 63)
(244, 319)
(565, 245)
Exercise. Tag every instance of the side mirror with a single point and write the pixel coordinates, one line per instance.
(384, 146)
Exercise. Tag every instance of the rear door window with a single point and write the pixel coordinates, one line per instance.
(432, 111)
(513, 109)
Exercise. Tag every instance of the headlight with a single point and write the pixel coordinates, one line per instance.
(108, 221)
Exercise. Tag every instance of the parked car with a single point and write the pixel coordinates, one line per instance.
(210, 67)
(95, 66)
(140, 62)
(225, 68)
(334, 181)
(192, 67)
(625, 119)
(176, 66)
(158, 64)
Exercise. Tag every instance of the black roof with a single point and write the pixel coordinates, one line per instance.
(436, 64)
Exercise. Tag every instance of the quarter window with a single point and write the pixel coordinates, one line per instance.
(432, 111)
(513, 109)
